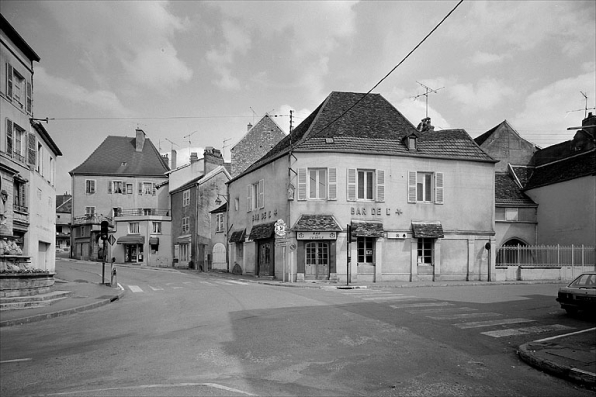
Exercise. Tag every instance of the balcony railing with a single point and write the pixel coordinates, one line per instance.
(142, 212)
(91, 219)
(20, 208)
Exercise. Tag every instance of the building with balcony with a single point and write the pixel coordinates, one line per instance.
(63, 222)
(119, 182)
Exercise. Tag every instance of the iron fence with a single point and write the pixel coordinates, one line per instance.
(548, 256)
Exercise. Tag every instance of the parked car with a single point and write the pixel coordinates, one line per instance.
(580, 294)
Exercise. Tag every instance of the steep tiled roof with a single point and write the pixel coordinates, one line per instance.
(367, 228)
(522, 173)
(373, 126)
(317, 223)
(238, 236)
(508, 192)
(63, 203)
(570, 168)
(117, 156)
(262, 231)
(427, 230)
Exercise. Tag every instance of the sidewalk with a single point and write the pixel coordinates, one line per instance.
(571, 356)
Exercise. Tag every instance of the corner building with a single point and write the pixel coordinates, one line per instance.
(419, 203)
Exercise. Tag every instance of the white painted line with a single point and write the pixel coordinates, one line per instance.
(442, 310)
(491, 323)
(527, 330)
(431, 304)
(561, 336)
(364, 292)
(135, 288)
(17, 360)
(155, 288)
(142, 387)
(237, 282)
(456, 316)
(175, 287)
(393, 297)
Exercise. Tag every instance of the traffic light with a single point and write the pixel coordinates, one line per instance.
(104, 230)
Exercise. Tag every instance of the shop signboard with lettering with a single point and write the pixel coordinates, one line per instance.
(316, 235)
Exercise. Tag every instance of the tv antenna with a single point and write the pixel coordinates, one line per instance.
(173, 143)
(427, 90)
(253, 114)
(188, 136)
(585, 109)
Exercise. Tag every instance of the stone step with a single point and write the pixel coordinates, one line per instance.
(26, 302)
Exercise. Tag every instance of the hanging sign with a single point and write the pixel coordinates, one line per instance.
(280, 228)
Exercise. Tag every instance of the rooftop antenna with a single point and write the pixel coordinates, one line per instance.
(585, 109)
(173, 143)
(253, 115)
(188, 136)
(427, 90)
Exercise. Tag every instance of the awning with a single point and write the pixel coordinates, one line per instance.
(259, 232)
(131, 239)
(153, 240)
(182, 240)
(427, 230)
(238, 236)
(367, 229)
(317, 223)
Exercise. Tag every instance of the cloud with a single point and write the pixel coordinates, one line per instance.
(136, 36)
(484, 58)
(484, 95)
(102, 99)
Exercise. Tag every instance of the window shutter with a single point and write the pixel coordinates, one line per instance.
(140, 188)
(439, 188)
(9, 138)
(9, 81)
(261, 194)
(380, 186)
(248, 198)
(351, 193)
(332, 184)
(153, 190)
(110, 183)
(29, 97)
(411, 186)
(302, 183)
(91, 186)
(32, 149)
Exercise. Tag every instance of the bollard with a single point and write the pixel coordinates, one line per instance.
(114, 280)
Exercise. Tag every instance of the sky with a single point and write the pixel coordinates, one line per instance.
(193, 74)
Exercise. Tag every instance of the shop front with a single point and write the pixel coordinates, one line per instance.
(133, 248)
(316, 237)
(264, 239)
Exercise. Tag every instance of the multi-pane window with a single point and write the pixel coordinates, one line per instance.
(366, 185)
(425, 251)
(129, 188)
(147, 188)
(89, 211)
(317, 186)
(18, 89)
(425, 187)
(219, 222)
(365, 250)
(118, 187)
(317, 253)
(133, 228)
(255, 195)
(89, 186)
(186, 198)
(157, 227)
(19, 203)
(185, 224)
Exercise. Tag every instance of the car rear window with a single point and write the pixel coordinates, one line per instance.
(585, 281)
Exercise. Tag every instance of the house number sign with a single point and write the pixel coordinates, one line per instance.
(316, 235)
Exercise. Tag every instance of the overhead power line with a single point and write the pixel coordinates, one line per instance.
(395, 67)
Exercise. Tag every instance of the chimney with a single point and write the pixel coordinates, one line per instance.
(140, 141)
(193, 157)
(248, 127)
(213, 159)
(425, 125)
(173, 160)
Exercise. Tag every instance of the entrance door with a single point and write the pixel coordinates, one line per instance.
(265, 259)
(219, 257)
(131, 253)
(317, 260)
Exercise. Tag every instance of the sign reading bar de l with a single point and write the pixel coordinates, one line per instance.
(316, 235)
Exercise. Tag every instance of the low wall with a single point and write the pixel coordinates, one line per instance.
(531, 273)
(25, 284)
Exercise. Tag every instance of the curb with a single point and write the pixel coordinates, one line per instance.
(40, 317)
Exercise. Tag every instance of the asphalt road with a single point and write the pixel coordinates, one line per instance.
(182, 333)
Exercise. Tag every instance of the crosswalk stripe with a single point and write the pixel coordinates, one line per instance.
(456, 316)
(135, 288)
(430, 304)
(392, 297)
(490, 323)
(237, 282)
(527, 330)
(441, 310)
(155, 288)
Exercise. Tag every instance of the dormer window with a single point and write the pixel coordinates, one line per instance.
(412, 142)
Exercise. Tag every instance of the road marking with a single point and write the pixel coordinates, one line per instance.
(456, 316)
(527, 330)
(158, 386)
(431, 304)
(156, 288)
(135, 288)
(16, 360)
(393, 297)
(442, 310)
(490, 323)
(176, 287)
(237, 282)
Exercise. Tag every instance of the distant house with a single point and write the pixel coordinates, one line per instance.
(118, 183)
(257, 141)
(219, 238)
(28, 157)
(63, 222)
(192, 200)
(417, 204)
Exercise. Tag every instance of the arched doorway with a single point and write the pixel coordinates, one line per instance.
(513, 252)
(219, 257)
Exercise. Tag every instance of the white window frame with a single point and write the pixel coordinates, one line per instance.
(255, 196)
(90, 186)
(362, 245)
(425, 251)
(156, 226)
(129, 188)
(133, 228)
(322, 191)
(186, 198)
(185, 224)
(122, 187)
(148, 188)
(376, 184)
(432, 192)
(90, 210)
(219, 225)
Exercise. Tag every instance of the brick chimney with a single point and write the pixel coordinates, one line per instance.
(173, 160)
(213, 159)
(140, 140)
(194, 157)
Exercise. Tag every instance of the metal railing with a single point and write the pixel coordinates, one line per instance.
(90, 219)
(142, 212)
(547, 256)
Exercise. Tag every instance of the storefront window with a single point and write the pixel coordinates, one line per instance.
(317, 253)
(366, 250)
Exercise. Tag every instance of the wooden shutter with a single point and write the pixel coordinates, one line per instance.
(332, 183)
(439, 188)
(110, 183)
(140, 187)
(380, 186)
(351, 184)
(261, 194)
(9, 137)
(29, 97)
(302, 183)
(32, 144)
(248, 198)
(9, 81)
(153, 189)
(411, 186)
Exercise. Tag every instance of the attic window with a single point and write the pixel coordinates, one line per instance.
(123, 163)
(412, 142)
(329, 140)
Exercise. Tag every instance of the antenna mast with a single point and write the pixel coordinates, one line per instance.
(188, 136)
(427, 90)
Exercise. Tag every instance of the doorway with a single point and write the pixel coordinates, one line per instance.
(316, 260)
(265, 264)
